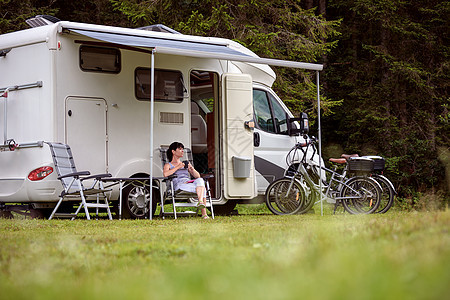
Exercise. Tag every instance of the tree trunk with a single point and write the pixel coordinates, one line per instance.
(323, 8)
(385, 77)
(309, 4)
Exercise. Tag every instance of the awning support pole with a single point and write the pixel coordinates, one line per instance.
(320, 142)
(152, 101)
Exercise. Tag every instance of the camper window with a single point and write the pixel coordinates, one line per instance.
(100, 59)
(168, 85)
(269, 114)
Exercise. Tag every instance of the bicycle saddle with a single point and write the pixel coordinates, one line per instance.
(347, 156)
(338, 160)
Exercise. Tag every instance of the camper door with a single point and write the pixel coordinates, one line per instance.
(86, 132)
(239, 173)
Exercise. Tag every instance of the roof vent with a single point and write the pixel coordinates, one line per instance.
(159, 28)
(41, 20)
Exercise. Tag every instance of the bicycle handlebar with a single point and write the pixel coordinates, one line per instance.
(300, 146)
(308, 141)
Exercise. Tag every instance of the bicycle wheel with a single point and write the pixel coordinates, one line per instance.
(310, 198)
(285, 196)
(361, 195)
(310, 194)
(387, 194)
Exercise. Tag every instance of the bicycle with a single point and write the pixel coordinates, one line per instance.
(300, 188)
(388, 190)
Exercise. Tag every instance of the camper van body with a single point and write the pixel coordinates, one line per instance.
(60, 85)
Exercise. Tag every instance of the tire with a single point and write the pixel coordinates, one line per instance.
(136, 199)
(6, 215)
(285, 197)
(41, 213)
(225, 209)
(310, 199)
(310, 194)
(367, 193)
(387, 194)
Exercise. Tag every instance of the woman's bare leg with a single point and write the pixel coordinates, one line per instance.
(201, 198)
(201, 194)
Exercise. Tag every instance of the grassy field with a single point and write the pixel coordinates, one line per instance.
(250, 256)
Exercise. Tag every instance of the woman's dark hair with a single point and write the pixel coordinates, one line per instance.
(174, 146)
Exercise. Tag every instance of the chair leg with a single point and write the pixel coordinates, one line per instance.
(83, 203)
(208, 194)
(107, 207)
(77, 211)
(161, 213)
(174, 208)
(173, 200)
(98, 202)
(101, 186)
(56, 208)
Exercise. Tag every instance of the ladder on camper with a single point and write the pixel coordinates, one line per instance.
(10, 144)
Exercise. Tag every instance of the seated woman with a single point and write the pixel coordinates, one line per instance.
(183, 181)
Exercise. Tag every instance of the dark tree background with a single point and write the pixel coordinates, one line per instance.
(386, 77)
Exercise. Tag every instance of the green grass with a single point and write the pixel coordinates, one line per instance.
(251, 256)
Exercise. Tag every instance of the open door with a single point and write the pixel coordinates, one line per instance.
(238, 164)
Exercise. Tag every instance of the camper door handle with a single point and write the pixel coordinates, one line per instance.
(69, 112)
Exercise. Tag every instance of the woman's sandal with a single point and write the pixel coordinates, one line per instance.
(205, 217)
(201, 205)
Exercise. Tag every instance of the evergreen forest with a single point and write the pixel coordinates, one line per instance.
(384, 87)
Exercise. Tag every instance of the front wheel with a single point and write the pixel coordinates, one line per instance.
(361, 195)
(285, 196)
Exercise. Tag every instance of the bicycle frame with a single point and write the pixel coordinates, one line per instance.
(328, 185)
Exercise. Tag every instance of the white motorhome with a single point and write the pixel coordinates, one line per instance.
(89, 86)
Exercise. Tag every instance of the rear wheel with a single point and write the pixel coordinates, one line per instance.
(6, 215)
(362, 195)
(136, 200)
(42, 213)
(285, 196)
(387, 194)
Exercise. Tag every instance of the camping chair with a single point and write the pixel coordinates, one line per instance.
(72, 182)
(184, 199)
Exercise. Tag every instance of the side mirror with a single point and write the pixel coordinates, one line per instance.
(303, 122)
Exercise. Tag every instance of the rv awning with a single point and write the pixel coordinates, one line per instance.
(191, 48)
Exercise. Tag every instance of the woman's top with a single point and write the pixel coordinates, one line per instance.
(182, 176)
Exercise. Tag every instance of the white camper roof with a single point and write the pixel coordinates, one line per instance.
(159, 42)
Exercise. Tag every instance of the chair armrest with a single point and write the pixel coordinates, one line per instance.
(75, 174)
(97, 176)
(207, 176)
(170, 177)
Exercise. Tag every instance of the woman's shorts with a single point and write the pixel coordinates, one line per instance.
(191, 186)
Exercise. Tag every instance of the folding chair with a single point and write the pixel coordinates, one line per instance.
(72, 182)
(184, 199)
